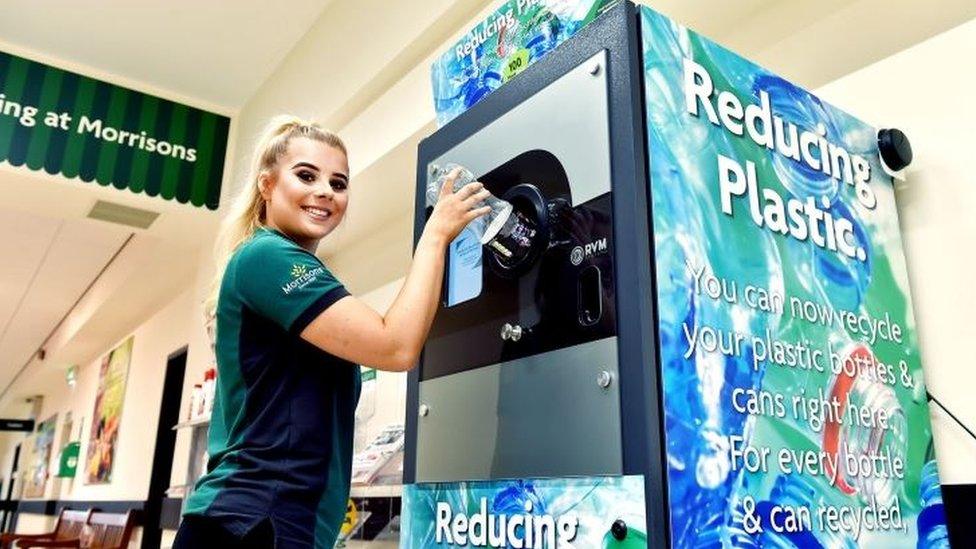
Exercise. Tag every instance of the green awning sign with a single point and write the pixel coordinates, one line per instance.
(76, 126)
(69, 460)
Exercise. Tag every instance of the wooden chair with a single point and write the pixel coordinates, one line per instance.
(104, 531)
(68, 526)
(111, 530)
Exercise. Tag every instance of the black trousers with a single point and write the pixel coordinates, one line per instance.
(201, 532)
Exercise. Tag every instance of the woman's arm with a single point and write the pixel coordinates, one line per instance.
(352, 330)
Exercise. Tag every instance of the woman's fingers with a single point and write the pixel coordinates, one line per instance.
(477, 212)
(478, 197)
(454, 210)
(469, 190)
(448, 186)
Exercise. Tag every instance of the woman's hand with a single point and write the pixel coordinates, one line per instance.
(351, 330)
(454, 210)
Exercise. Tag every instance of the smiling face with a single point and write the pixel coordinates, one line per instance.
(307, 191)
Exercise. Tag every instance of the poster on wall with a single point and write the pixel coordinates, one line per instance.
(102, 441)
(40, 460)
(795, 410)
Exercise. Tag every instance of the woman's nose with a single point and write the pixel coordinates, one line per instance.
(324, 191)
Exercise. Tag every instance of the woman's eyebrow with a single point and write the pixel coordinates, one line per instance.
(305, 165)
(342, 176)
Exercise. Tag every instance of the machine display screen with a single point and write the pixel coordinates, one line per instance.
(464, 266)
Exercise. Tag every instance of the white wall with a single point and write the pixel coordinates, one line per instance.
(153, 341)
(927, 92)
(161, 335)
(391, 387)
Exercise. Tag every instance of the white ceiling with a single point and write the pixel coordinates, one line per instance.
(51, 263)
(214, 51)
(51, 253)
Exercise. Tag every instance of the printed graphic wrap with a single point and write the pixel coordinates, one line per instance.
(729, 262)
(516, 35)
(582, 510)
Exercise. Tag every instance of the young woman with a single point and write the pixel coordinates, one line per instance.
(288, 338)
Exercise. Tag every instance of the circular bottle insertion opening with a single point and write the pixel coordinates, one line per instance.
(523, 236)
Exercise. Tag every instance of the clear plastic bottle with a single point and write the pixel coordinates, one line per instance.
(486, 227)
(863, 440)
(195, 397)
(209, 387)
(508, 233)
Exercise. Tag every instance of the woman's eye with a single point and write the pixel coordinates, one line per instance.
(338, 184)
(307, 177)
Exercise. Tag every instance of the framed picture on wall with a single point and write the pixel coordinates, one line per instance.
(104, 435)
(40, 460)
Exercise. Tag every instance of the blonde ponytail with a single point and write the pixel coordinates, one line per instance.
(247, 212)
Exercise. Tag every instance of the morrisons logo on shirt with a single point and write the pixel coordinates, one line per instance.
(301, 277)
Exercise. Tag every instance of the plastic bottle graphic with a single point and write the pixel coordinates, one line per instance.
(863, 390)
(446, 80)
(544, 38)
(932, 530)
(799, 491)
(571, 14)
(795, 491)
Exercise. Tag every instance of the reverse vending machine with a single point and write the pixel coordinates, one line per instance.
(611, 377)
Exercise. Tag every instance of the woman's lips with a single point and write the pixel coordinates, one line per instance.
(316, 213)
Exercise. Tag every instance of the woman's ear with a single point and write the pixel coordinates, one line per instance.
(265, 185)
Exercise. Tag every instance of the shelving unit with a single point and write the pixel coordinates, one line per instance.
(192, 423)
(377, 491)
(199, 429)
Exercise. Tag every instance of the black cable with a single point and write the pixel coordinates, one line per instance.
(961, 424)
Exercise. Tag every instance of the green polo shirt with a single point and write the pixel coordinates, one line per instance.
(282, 427)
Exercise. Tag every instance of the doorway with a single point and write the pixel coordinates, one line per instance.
(9, 508)
(169, 414)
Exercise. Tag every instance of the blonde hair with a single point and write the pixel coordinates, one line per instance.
(247, 212)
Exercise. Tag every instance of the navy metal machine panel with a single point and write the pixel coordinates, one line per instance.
(556, 140)
(636, 417)
(503, 406)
